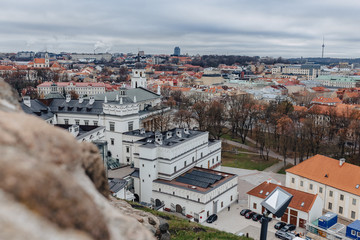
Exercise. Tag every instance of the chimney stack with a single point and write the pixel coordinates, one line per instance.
(81, 99)
(342, 161)
(92, 100)
(27, 101)
(68, 97)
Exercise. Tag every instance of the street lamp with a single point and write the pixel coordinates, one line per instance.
(276, 203)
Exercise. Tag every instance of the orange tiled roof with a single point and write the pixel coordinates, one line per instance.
(299, 108)
(299, 197)
(39, 60)
(316, 168)
(326, 100)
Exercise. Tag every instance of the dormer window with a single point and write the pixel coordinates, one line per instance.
(261, 191)
(267, 193)
(302, 204)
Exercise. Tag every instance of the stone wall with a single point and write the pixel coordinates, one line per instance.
(52, 187)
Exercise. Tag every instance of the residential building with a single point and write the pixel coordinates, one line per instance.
(80, 88)
(303, 208)
(336, 182)
(338, 81)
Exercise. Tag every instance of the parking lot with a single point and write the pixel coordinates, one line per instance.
(231, 221)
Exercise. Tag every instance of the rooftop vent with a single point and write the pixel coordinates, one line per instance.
(92, 100)
(193, 187)
(342, 161)
(168, 135)
(178, 133)
(68, 97)
(261, 191)
(158, 138)
(326, 175)
(267, 193)
(302, 204)
(27, 101)
(186, 131)
(357, 186)
(81, 99)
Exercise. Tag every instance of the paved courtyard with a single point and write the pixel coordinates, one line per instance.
(231, 221)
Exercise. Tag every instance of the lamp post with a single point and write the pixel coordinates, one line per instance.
(276, 203)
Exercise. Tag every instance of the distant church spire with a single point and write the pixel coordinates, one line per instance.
(323, 47)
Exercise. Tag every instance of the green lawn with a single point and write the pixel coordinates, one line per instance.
(228, 137)
(182, 229)
(246, 161)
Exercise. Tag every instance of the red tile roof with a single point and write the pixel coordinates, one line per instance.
(299, 197)
(328, 171)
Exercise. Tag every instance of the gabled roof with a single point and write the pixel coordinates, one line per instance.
(38, 109)
(302, 201)
(39, 60)
(141, 94)
(328, 171)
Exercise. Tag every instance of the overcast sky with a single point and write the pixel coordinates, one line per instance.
(287, 28)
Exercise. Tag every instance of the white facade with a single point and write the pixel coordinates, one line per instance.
(138, 78)
(195, 203)
(80, 88)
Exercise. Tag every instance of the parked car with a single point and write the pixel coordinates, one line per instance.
(212, 218)
(249, 215)
(244, 211)
(288, 228)
(262, 217)
(279, 225)
(284, 235)
(256, 217)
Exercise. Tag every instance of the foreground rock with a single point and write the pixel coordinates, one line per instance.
(52, 187)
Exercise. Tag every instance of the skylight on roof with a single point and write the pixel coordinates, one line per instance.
(261, 191)
(357, 186)
(267, 193)
(302, 204)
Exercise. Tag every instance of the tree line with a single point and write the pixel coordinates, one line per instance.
(273, 126)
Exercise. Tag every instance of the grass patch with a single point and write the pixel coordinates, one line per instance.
(229, 137)
(246, 161)
(182, 229)
(282, 170)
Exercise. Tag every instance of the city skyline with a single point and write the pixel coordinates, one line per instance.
(265, 28)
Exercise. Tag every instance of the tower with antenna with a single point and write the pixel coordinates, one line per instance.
(323, 47)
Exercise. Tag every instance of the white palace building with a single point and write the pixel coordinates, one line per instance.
(179, 170)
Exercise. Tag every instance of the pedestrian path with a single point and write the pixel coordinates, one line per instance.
(275, 167)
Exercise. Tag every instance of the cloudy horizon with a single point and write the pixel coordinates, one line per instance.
(233, 27)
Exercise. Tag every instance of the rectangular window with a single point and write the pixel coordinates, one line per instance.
(77, 121)
(127, 149)
(341, 197)
(353, 232)
(217, 158)
(301, 183)
(112, 141)
(254, 205)
(354, 201)
(193, 159)
(352, 214)
(128, 160)
(340, 210)
(212, 161)
(95, 123)
(330, 206)
(292, 180)
(86, 122)
(358, 234)
(331, 193)
(112, 126)
(174, 169)
(231, 198)
(159, 189)
(66, 121)
(185, 164)
(320, 189)
(311, 186)
(130, 126)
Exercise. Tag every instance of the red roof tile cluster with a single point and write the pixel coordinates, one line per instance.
(302, 201)
(328, 171)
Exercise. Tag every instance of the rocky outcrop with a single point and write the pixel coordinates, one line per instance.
(9, 99)
(52, 187)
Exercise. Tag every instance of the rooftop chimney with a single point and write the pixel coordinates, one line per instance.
(168, 135)
(186, 131)
(158, 138)
(105, 99)
(68, 97)
(117, 97)
(134, 99)
(179, 133)
(121, 100)
(27, 101)
(92, 100)
(158, 90)
(342, 161)
(81, 99)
